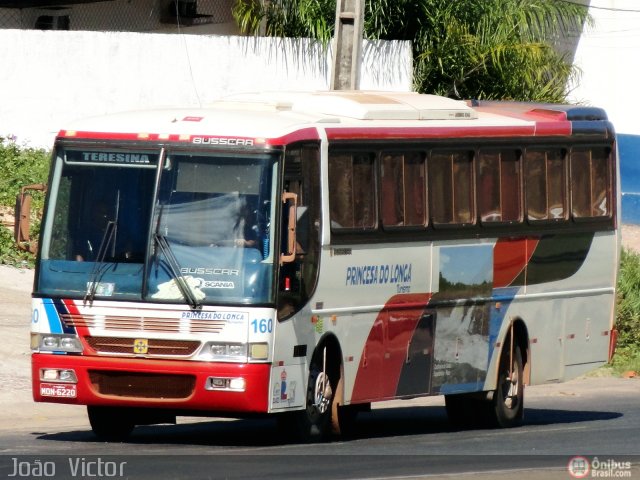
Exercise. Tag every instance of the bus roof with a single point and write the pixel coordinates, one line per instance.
(272, 115)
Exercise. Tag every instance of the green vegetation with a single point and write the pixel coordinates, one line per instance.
(627, 355)
(482, 49)
(19, 166)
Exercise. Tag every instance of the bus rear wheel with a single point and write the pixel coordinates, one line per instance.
(505, 407)
(507, 404)
(110, 423)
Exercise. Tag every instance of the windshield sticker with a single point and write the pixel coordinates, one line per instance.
(102, 289)
(171, 291)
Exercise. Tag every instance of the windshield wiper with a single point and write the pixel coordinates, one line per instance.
(174, 268)
(99, 265)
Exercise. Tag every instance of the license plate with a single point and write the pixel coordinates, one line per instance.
(58, 390)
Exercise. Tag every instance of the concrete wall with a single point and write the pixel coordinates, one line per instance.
(50, 77)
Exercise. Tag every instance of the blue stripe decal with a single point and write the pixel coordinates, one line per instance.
(55, 326)
(505, 296)
(448, 388)
(62, 309)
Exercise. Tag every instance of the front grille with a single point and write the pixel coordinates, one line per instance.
(155, 347)
(141, 324)
(142, 385)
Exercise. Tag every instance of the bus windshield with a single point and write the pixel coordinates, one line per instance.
(160, 226)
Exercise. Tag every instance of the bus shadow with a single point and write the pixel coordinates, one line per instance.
(414, 421)
(380, 423)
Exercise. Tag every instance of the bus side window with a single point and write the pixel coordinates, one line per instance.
(590, 182)
(545, 184)
(451, 187)
(403, 189)
(352, 191)
(499, 185)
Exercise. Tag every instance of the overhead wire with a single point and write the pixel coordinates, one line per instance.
(186, 48)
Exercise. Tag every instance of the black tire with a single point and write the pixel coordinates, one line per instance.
(111, 424)
(507, 404)
(343, 417)
(506, 407)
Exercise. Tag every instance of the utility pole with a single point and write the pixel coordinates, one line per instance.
(263, 24)
(347, 45)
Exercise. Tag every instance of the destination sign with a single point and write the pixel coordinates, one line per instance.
(111, 157)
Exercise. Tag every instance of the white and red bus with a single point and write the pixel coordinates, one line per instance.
(307, 254)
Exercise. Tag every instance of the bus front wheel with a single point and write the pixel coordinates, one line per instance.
(313, 423)
(110, 423)
(505, 407)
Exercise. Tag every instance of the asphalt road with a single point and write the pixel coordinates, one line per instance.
(597, 418)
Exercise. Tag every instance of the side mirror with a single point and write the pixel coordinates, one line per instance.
(290, 254)
(22, 214)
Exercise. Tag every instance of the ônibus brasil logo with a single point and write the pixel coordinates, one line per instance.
(579, 467)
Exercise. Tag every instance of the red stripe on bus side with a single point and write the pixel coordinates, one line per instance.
(385, 350)
(305, 134)
(510, 257)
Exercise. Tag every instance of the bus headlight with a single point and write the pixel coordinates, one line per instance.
(55, 342)
(236, 352)
(227, 352)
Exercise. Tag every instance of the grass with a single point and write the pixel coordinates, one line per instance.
(627, 357)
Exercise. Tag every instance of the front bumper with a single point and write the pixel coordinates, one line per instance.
(169, 384)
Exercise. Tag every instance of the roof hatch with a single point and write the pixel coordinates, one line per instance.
(364, 105)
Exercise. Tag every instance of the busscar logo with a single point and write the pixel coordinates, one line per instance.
(232, 142)
(209, 271)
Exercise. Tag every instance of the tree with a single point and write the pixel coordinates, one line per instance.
(484, 49)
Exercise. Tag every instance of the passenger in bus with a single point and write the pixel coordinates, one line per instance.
(91, 230)
(244, 229)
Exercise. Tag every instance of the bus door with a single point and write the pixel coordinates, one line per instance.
(410, 340)
(298, 278)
